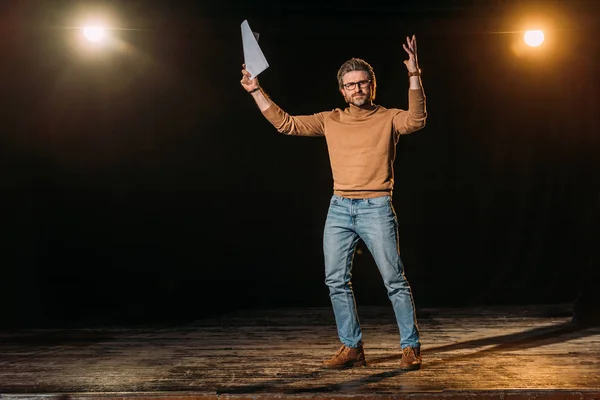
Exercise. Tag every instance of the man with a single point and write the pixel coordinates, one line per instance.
(361, 140)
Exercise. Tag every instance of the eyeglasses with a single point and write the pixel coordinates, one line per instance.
(352, 85)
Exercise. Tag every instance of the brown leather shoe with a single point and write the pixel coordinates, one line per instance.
(411, 358)
(347, 357)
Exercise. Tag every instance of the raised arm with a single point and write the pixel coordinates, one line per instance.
(413, 119)
(251, 85)
(304, 125)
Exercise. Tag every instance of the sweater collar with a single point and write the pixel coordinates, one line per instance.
(363, 111)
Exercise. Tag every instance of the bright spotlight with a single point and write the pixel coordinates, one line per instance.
(534, 38)
(93, 33)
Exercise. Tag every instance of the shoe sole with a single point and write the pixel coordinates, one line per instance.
(361, 363)
(411, 368)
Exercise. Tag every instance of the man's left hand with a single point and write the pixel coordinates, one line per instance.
(411, 49)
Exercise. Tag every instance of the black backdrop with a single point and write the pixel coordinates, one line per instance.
(140, 182)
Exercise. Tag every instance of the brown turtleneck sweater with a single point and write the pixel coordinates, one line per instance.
(361, 141)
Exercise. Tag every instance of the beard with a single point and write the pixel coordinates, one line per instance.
(358, 99)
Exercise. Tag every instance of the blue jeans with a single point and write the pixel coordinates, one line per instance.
(374, 221)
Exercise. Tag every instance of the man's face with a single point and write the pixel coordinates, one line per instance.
(360, 93)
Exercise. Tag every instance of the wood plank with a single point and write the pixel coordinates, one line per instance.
(278, 352)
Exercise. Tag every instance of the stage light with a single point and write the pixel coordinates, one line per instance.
(94, 34)
(534, 38)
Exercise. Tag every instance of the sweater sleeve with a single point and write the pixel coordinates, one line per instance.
(302, 125)
(414, 119)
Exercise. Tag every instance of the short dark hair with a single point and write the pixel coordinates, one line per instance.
(356, 64)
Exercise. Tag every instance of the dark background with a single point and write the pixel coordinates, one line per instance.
(140, 183)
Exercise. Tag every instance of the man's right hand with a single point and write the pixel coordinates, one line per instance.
(248, 83)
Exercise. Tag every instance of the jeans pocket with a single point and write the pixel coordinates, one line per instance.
(383, 201)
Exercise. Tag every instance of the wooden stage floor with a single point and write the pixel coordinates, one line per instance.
(496, 353)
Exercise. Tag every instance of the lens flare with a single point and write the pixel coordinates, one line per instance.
(534, 38)
(93, 33)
